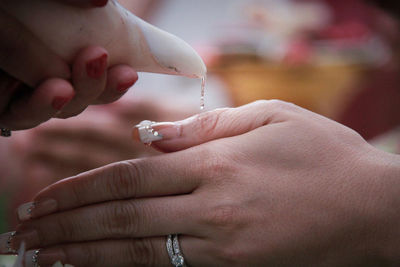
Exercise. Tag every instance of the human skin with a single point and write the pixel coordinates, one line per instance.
(101, 135)
(266, 184)
(60, 90)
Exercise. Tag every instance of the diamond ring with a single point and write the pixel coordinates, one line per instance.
(35, 258)
(174, 251)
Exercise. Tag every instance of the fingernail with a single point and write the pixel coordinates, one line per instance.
(25, 211)
(40, 208)
(148, 131)
(123, 87)
(45, 257)
(60, 101)
(5, 243)
(96, 67)
(99, 3)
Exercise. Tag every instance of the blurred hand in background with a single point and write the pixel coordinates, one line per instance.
(102, 135)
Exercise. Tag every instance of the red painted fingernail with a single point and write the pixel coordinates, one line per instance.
(99, 3)
(123, 87)
(60, 101)
(96, 67)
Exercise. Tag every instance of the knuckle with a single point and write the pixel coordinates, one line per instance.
(232, 256)
(274, 104)
(207, 123)
(77, 193)
(66, 229)
(121, 219)
(224, 217)
(278, 105)
(278, 110)
(141, 252)
(126, 179)
(216, 166)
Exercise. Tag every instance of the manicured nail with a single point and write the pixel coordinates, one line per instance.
(96, 67)
(60, 101)
(36, 209)
(123, 87)
(149, 131)
(5, 243)
(145, 133)
(25, 211)
(99, 3)
(45, 257)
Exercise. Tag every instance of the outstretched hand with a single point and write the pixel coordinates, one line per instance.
(266, 184)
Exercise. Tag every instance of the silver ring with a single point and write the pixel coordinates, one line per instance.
(174, 251)
(5, 132)
(35, 258)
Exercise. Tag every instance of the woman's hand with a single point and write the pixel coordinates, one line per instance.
(37, 85)
(266, 184)
(55, 150)
(98, 137)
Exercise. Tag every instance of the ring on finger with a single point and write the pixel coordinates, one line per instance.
(174, 251)
(35, 258)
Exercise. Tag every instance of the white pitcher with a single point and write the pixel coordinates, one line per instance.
(128, 39)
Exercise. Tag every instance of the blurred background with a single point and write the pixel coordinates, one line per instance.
(338, 58)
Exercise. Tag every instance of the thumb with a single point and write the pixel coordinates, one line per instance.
(212, 125)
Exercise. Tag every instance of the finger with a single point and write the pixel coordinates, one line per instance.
(120, 79)
(146, 217)
(89, 79)
(85, 3)
(25, 57)
(123, 252)
(32, 108)
(155, 176)
(212, 125)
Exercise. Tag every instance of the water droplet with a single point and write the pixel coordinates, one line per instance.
(202, 92)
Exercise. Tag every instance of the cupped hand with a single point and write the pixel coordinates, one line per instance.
(37, 84)
(266, 184)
